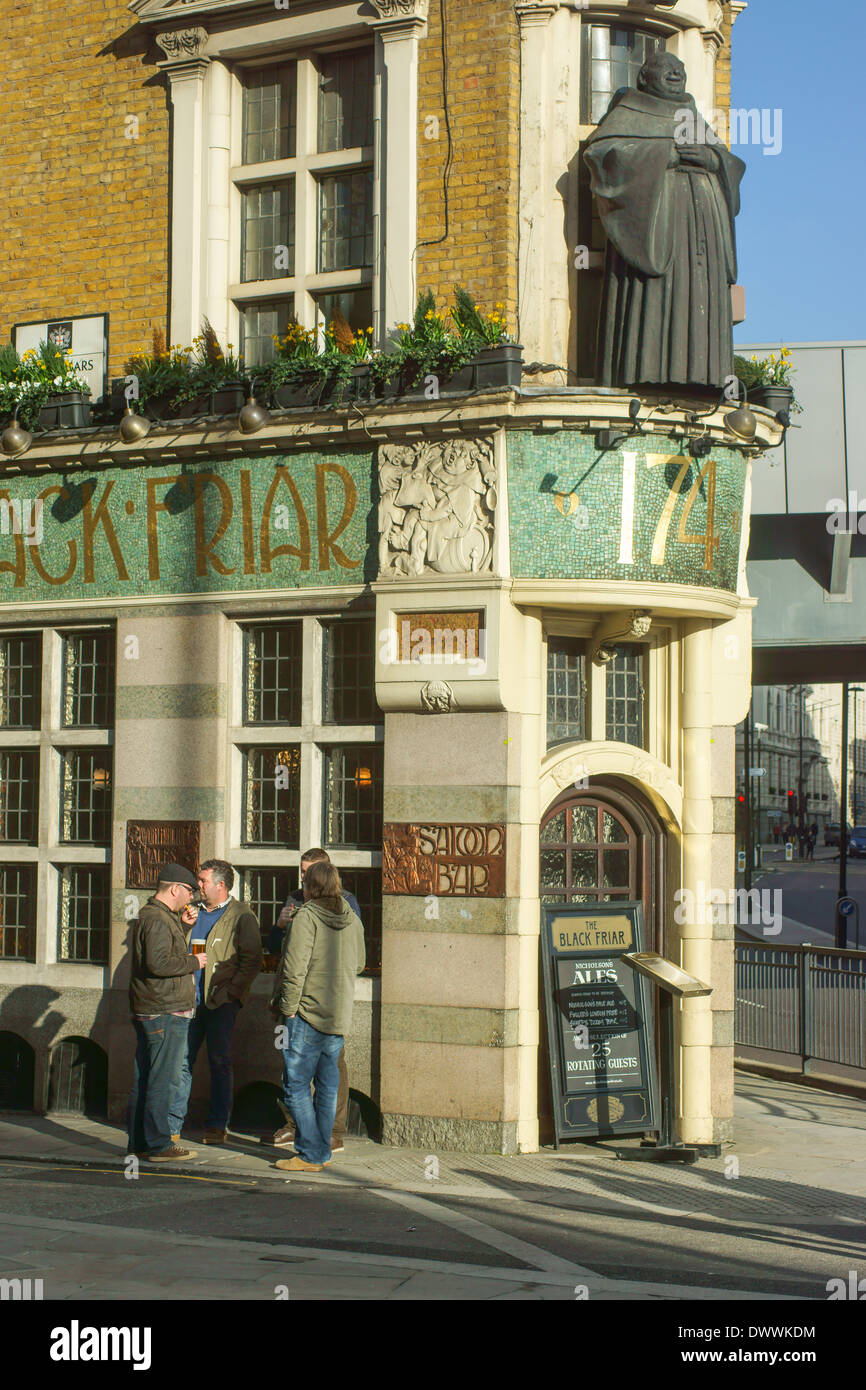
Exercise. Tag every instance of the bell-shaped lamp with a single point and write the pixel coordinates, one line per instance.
(252, 416)
(132, 426)
(742, 423)
(15, 439)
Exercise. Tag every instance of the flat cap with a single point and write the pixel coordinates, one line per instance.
(176, 873)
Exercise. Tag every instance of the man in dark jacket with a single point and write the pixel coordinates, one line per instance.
(285, 1136)
(233, 950)
(162, 999)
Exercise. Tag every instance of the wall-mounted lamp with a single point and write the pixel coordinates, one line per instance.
(608, 439)
(132, 427)
(252, 416)
(363, 777)
(15, 439)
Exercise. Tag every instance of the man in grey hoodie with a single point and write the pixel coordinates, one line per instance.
(314, 994)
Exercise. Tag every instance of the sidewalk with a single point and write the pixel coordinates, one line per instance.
(797, 1144)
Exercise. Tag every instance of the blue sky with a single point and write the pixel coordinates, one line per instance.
(800, 233)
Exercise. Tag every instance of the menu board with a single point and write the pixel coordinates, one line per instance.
(600, 1023)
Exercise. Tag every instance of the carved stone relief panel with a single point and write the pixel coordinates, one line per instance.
(437, 507)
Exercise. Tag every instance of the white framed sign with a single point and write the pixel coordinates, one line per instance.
(86, 335)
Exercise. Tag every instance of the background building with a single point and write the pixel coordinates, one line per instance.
(250, 598)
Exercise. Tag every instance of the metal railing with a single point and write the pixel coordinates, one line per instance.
(805, 1002)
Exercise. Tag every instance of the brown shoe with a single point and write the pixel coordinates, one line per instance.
(298, 1165)
(337, 1145)
(283, 1138)
(214, 1136)
(172, 1152)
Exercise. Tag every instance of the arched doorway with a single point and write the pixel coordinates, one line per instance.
(601, 844)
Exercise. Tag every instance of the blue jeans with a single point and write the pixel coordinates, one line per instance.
(216, 1026)
(158, 1060)
(311, 1056)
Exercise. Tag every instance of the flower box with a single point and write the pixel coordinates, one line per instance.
(228, 398)
(70, 411)
(499, 366)
(310, 389)
(772, 397)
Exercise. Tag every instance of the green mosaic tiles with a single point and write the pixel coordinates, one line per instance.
(213, 526)
(640, 512)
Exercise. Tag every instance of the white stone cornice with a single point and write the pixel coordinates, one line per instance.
(535, 12)
(182, 45)
(400, 12)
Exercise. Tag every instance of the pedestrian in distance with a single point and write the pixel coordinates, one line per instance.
(284, 1137)
(313, 999)
(162, 1000)
(233, 959)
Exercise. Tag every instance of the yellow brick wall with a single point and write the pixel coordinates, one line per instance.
(483, 85)
(722, 96)
(84, 214)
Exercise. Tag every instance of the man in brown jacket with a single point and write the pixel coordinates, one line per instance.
(162, 1000)
(233, 955)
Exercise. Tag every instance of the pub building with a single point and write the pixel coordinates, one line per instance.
(488, 646)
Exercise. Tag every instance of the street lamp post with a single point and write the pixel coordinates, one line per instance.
(854, 690)
(760, 729)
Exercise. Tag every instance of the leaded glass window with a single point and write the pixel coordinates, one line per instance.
(356, 306)
(21, 681)
(625, 696)
(260, 324)
(270, 100)
(88, 680)
(566, 690)
(345, 221)
(265, 891)
(17, 911)
(346, 101)
(273, 674)
(272, 794)
(353, 795)
(84, 913)
(268, 231)
(85, 796)
(366, 884)
(587, 855)
(613, 57)
(349, 672)
(19, 795)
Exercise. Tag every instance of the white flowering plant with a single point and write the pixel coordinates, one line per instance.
(28, 381)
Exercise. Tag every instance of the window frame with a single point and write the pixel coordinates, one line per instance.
(306, 168)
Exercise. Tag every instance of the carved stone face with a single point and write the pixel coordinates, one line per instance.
(663, 75)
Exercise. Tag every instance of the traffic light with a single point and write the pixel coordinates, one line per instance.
(792, 804)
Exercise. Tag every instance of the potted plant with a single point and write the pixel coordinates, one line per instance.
(46, 386)
(214, 375)
(498, 359)
(22, 388)
(426, 347)
(768, 381)
(163, 378)
(296, 376)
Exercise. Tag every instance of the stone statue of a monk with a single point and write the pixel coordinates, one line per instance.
(668, 193)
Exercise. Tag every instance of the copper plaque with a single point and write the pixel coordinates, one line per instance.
(445, 861)
(152, 843)
(424, 637)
